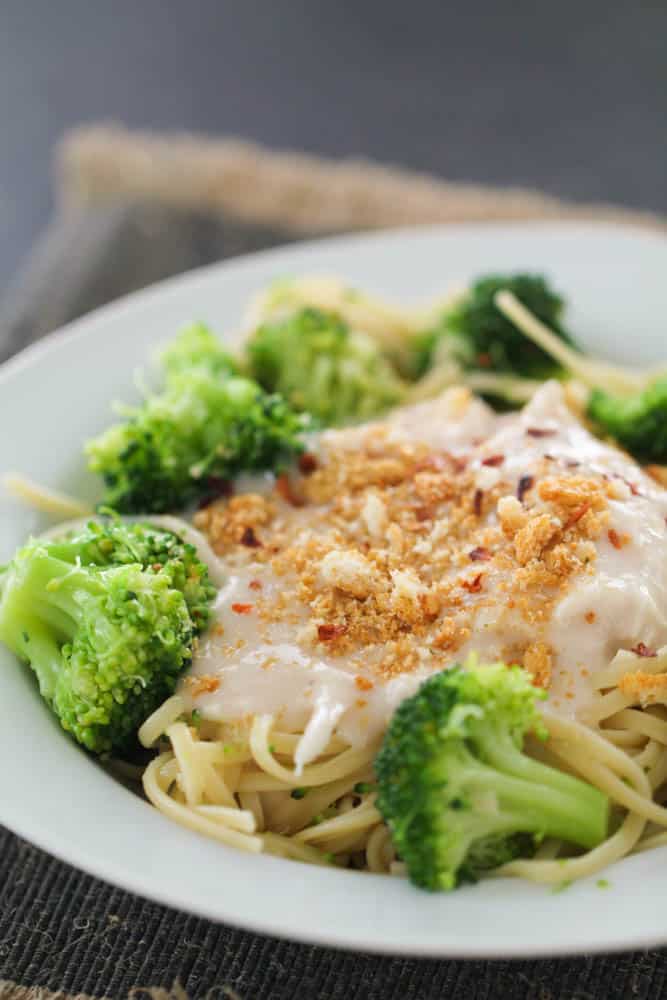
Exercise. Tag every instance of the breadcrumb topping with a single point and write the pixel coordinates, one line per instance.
(645, 688)
(537, 661)
(202, 684)
(396, 549)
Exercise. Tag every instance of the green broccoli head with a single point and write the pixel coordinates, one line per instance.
(458, 793)
(106, 617)
(197, 347)
(112, 542)
(107, 645)
(201, 427)
(478, 336)
(322, 366)
(638, 422)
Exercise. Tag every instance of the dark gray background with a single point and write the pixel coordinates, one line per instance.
(567, 96)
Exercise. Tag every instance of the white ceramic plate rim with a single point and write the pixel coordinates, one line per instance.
(56, 797)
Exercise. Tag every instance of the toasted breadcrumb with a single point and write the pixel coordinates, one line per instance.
(451, 635)
(533, 538)
(228, 522)
(432, 487)
(396, 550)
(646, 689)
(573, 491)
(202, 684)
(374, 514)
(349, 571)
(363, 683)
(512, 515)
(537, 660)
(659, 473)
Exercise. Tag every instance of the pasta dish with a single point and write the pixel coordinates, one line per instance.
(387, 593)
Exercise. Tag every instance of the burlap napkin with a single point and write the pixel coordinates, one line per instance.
(134, 208)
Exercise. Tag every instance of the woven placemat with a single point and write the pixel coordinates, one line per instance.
(134, 208)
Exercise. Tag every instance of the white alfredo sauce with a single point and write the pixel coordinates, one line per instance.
(275, 667)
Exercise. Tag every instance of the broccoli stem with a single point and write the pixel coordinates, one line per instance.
(38, 631)
(30, 632)
(548, 801)
(36, 643)
(60, 580)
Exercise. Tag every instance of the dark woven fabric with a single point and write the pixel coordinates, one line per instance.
(61, 930)
(90, 258)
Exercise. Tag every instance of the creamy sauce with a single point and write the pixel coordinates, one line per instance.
(275, 667)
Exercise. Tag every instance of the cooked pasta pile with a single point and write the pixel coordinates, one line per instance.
(239, 785)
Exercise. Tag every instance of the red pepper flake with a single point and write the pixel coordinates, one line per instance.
(484, 360)
(480, 554)
(525, 483)
(242, 609)
(577, 515)
(250, 539)
(326, 633)
(615, 538)
(363, 683)
(473, 586)
(215, 489)
(284, 488)
(477, 502)
(493, 460)
(424, 513)
(539, 432)
(223, 487)
(255, 585)
(307, 463)
(590, 617)
(457, 462)
(641, 649)
(632, 487)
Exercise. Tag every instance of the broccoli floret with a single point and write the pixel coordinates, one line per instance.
(478, 336)
(197, 347)
(107, 644)
(456, 789)
(112, 542)
(322, 366)
(638, 423)
(200, 428)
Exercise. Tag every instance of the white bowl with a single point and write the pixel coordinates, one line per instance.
(57, 394)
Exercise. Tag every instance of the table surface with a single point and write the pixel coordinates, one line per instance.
(569, 97)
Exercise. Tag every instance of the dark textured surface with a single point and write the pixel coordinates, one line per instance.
(91, 258)
(570, 97)
(62, 930)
